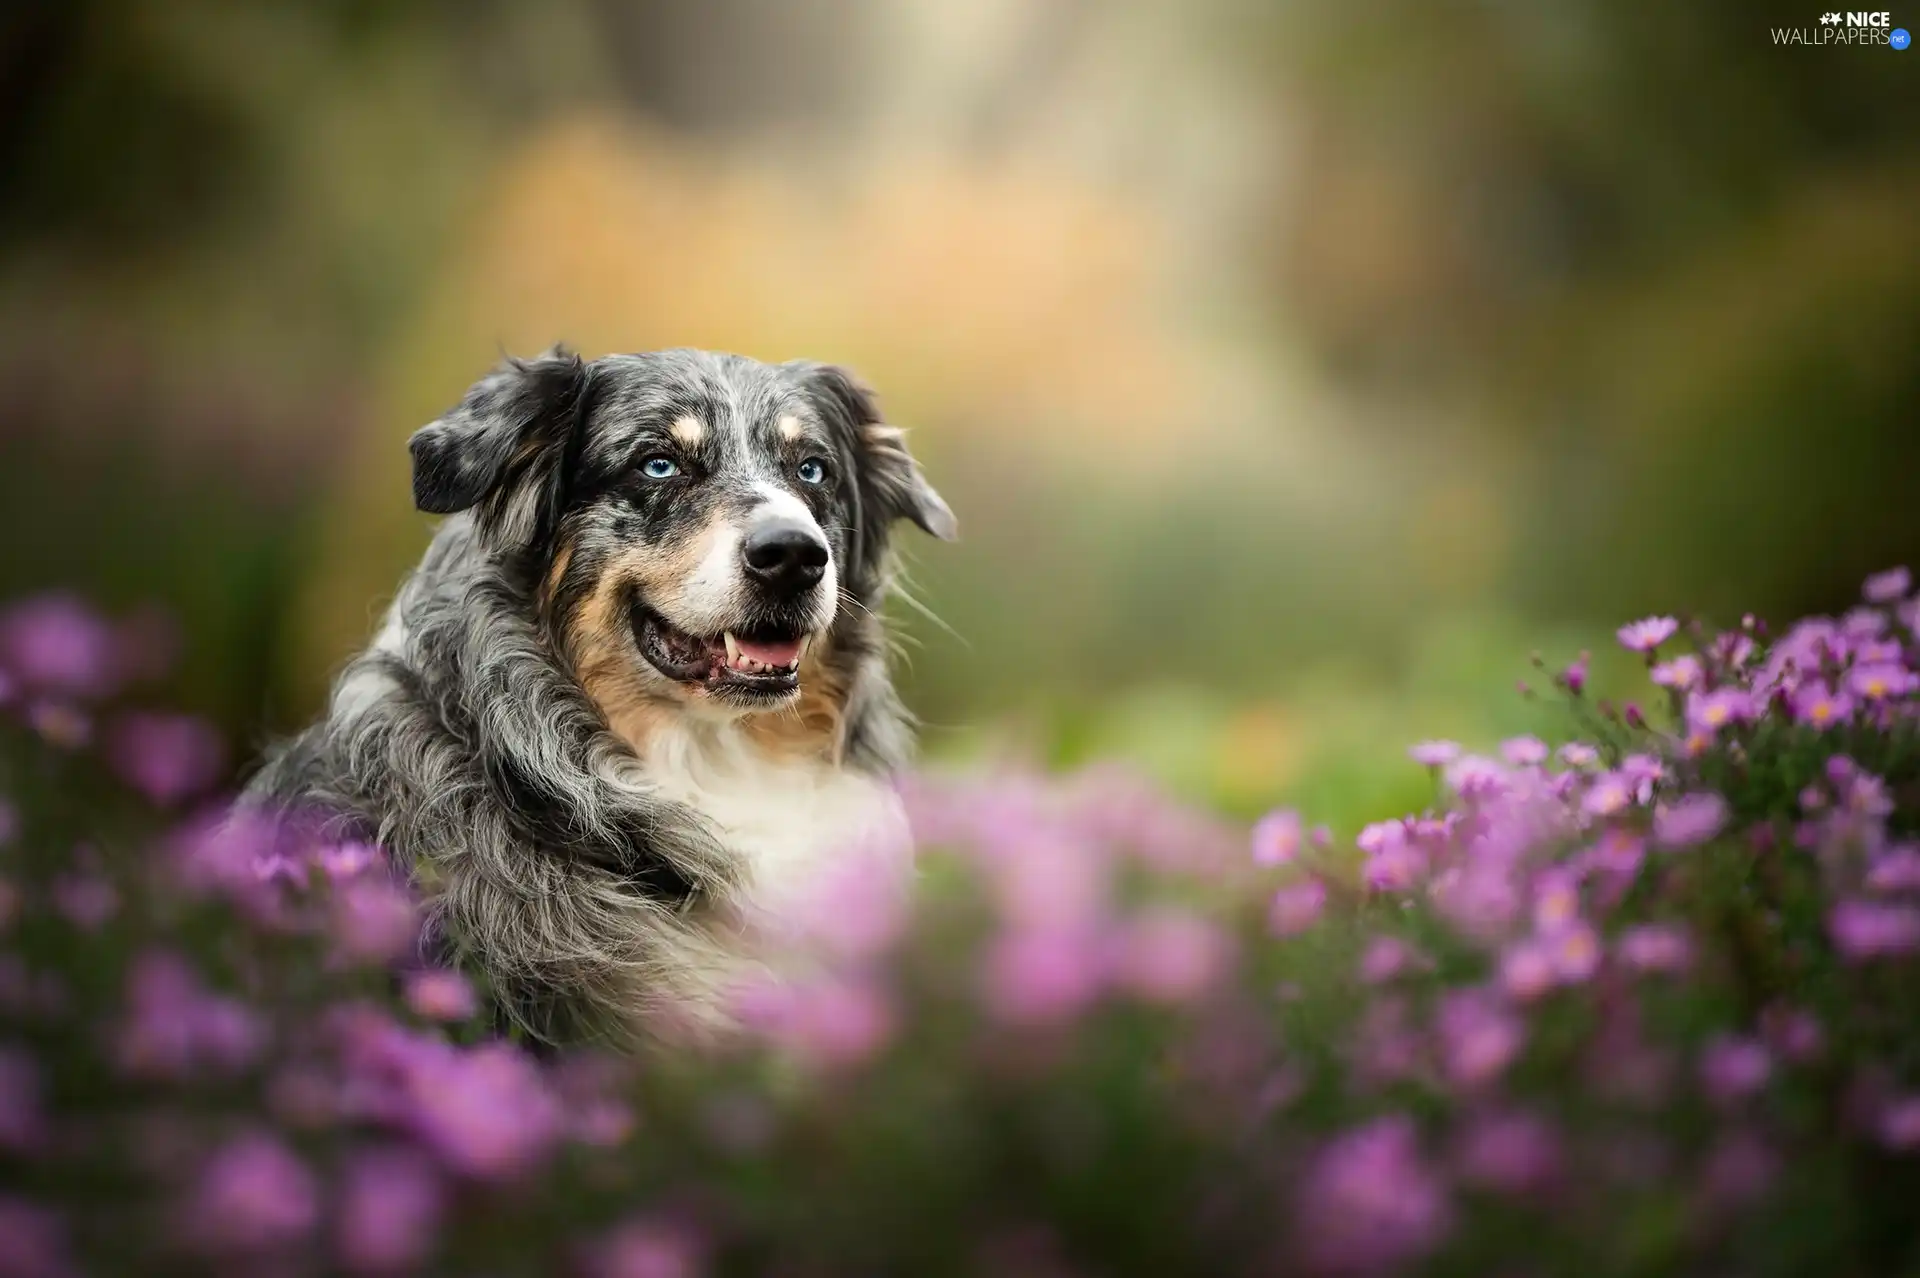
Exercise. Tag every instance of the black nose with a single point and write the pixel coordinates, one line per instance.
(785, 555)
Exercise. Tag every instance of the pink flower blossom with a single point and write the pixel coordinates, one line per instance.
(649, 1248)
(1171, 956)
(1817, 704)
(1898, 1125)
(1680, 674)
(1888, 586)
(168, 758)
(1578, 754)
(1387, 957)
(1276, 838)
(1881, 681)
(486, 1111)
(1575, 953)
(441, 995)
(1296, 907)
(373, 921)
(1647, 634)
(1479, 1036)
(1734, 1068)
(1655, 947)
(1508, 1152)
(1527, 969)
(1870, 929)
(1043, 976)
(1369, 1201)
(1434, 754)
(1709, 712)
(1689, 820)
(391, 1202)
(1895, 870)
(58, 645)
(1524, 752)
(254, 1195)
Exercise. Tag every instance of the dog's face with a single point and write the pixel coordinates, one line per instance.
(696, 521)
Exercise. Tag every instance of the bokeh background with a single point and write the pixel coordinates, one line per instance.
(1295, 369)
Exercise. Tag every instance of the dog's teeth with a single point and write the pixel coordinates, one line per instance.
(733, 649)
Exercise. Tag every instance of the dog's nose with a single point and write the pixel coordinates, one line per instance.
(785, 555)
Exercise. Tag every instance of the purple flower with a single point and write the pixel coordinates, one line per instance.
(1734, 1068)
(340, 861)
(373, 921)
(55, 644)
(440, 995)
(649, 1248)
(1655, 947)
(1556, 900)
(1527, 969)
(1370, 1202)
(1042, 976)
(1381, 836)
(486, 1111)
(1434, 754)
(1296, 907)
(86, 900)
(1647, 634)
(1524, 752)
(1709, 712)
(173, 1027)
(1871, 929)
(1574, 677)
(1479, 1037)
(1818, 704)
(254, 1195)
(1276, 838)
(1681, 673)
(1170, 956)
(835, 1022)
(1881, 681)
(1387, 957)
(1610, 793)
(1689, 820)
(33, 1242)
(168, 758)
(1575, 953)
(1898, 1125)
(1793, 1033)
(1578, 754)
(1508, 1152)
(1395, 868)
(1895, 870)
(1888, 586)
(391, 1201)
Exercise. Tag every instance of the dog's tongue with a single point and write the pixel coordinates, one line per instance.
(779, 652)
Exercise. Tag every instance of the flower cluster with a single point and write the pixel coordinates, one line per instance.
(1638, 1000)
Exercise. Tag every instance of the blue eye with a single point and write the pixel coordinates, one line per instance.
(812, 471)
(659, 468)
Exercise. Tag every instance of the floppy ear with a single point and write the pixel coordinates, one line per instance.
(503, 447)
(891, 484)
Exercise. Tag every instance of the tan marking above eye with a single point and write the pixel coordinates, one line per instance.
(790, 427)
(689, 430)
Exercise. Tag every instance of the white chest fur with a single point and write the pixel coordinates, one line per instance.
(797, 824)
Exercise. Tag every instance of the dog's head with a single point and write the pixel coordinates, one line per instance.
(694, 521)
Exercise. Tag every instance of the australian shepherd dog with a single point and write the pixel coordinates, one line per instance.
(633, 705)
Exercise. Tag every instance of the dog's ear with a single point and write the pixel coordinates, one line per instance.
(891, 484)
(502, 448)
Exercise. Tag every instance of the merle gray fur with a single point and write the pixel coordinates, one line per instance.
(463, 739)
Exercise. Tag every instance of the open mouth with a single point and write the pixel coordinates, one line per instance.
(756, 663)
